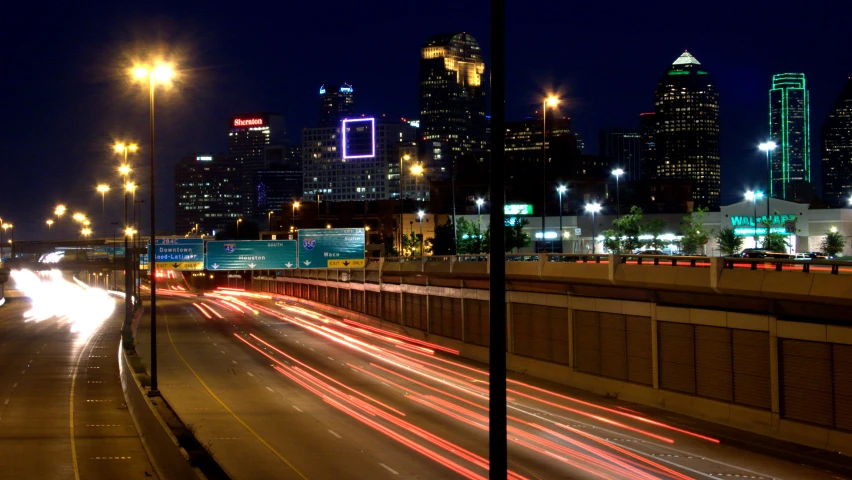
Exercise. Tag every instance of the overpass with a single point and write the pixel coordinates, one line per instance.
(764, 345)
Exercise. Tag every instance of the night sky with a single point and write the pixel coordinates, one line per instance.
(66, 95)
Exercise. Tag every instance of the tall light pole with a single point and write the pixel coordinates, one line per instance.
(102, 189)
(49, 223)
(593, 208)
(618, 173)
(269, 218)
(479, 203)
(129, 272)
(417, 171)
(560, 190)
(768, 147)
(405, 157)
(550, 101)
(162, 73)
(238, 226)
(295, 206)
(754, 197)
(420, 215)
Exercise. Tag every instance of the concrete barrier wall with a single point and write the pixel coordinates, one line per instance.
(762, 421)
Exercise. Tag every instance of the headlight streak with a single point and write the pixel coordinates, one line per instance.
(589, 462)
(83, 308)
(210, 309)
(203, 312)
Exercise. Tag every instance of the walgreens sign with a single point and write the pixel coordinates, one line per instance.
(248, 122)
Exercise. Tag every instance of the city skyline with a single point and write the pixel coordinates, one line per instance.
(221, 80)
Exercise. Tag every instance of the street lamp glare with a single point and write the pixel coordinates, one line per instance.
(119, 148)
(420, 214)
(552, 100)
(102, 188)
(561, 189)
(140, 72)
(618, 172)
(480, 202)
(133, 147)
(163, 73)
(296, 204)
(49, 222)
(416, 170)
(59, 211)
(124, 169)
(593, 207)
(767, 146)
(130, 187)
(79, 217)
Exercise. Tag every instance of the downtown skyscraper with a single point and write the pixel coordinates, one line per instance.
(789, 128)
(452, 101)
(837, 151)
(249, 137)
(336, 104)
(686, 117)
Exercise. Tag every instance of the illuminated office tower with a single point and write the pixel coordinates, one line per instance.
(353, 160)
(452, 100)
(687, 131)
(789, 128)
(207, 194)
(837, 150)
(248, 139)
(336, 104)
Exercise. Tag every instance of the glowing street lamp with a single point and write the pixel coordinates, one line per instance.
(768, 147)
(102, 189)
(593, 208)
(560, 190)
(618, 173)
(269, 218)
(238, 226)
(59, 210)
(78, 217)
(420, 215)
(754, 197)
(49, 223)
(295, 206)
(153, 74)
(417, 171)
(550, 101)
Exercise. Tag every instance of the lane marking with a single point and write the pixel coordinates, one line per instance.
(235, 362)
(389, 469)
(227, 409)
(334, 433)
(250, 374)
(298, 409)
(14, 385)
(71, 406)
(331, 359)
(271, 390)
(6, 402)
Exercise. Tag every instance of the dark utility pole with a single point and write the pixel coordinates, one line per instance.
(497, 448)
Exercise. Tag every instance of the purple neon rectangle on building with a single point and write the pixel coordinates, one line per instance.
(347, 137)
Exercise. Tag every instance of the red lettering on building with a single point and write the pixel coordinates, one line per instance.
(248, 122)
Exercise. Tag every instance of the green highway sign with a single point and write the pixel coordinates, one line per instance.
(179, 253)
(250, 255)
(331, 248)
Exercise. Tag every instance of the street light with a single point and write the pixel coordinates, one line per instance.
(59, 210)
(618, 173)
(417, 171)
(754, 197)
(49, 223)
(550, 101)
(768, 147)
(162, 73)
(269, 218)
(295, 206)
(420, 215)
(593, 208)
(78, 217)
(560, 190)
(102, 189)
(238, 226)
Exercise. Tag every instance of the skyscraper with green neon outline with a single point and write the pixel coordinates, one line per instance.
(790, 129)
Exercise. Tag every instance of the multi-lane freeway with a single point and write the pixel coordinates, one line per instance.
(275, 390)
(62, 411)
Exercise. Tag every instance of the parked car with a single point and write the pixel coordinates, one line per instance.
(802, 256)
(762, 253)
(651, 252)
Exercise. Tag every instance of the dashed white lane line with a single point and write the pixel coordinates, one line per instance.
(250, 374)
(271, 390)
(23, 372)
(298, 409)
(389, 469)
(331, 359)
(14, 385)
(235, 362)
(334, 433)
(6, 402)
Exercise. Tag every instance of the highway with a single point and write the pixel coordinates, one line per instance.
(275, 390)
(62, 413)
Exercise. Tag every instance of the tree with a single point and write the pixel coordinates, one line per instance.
(442, 243)
(729, 243)
(774, 241)
(695, 236)
(627, 229)
(390, 248)
(612, 242)
(470, 238)
(410, 245)
(655, 228)
(833, 243)
(514, 235)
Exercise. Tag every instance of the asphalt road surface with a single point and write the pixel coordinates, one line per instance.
(278, 391)
(62, 412)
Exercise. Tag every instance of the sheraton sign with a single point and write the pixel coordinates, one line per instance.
(248, 122)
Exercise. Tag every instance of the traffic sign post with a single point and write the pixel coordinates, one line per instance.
(179, 254)
(251, 255)
(331, 248)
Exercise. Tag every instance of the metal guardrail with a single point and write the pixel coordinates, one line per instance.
(834, 266)
(577, 257)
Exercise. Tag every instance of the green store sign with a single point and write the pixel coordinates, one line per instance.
(748, 221)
